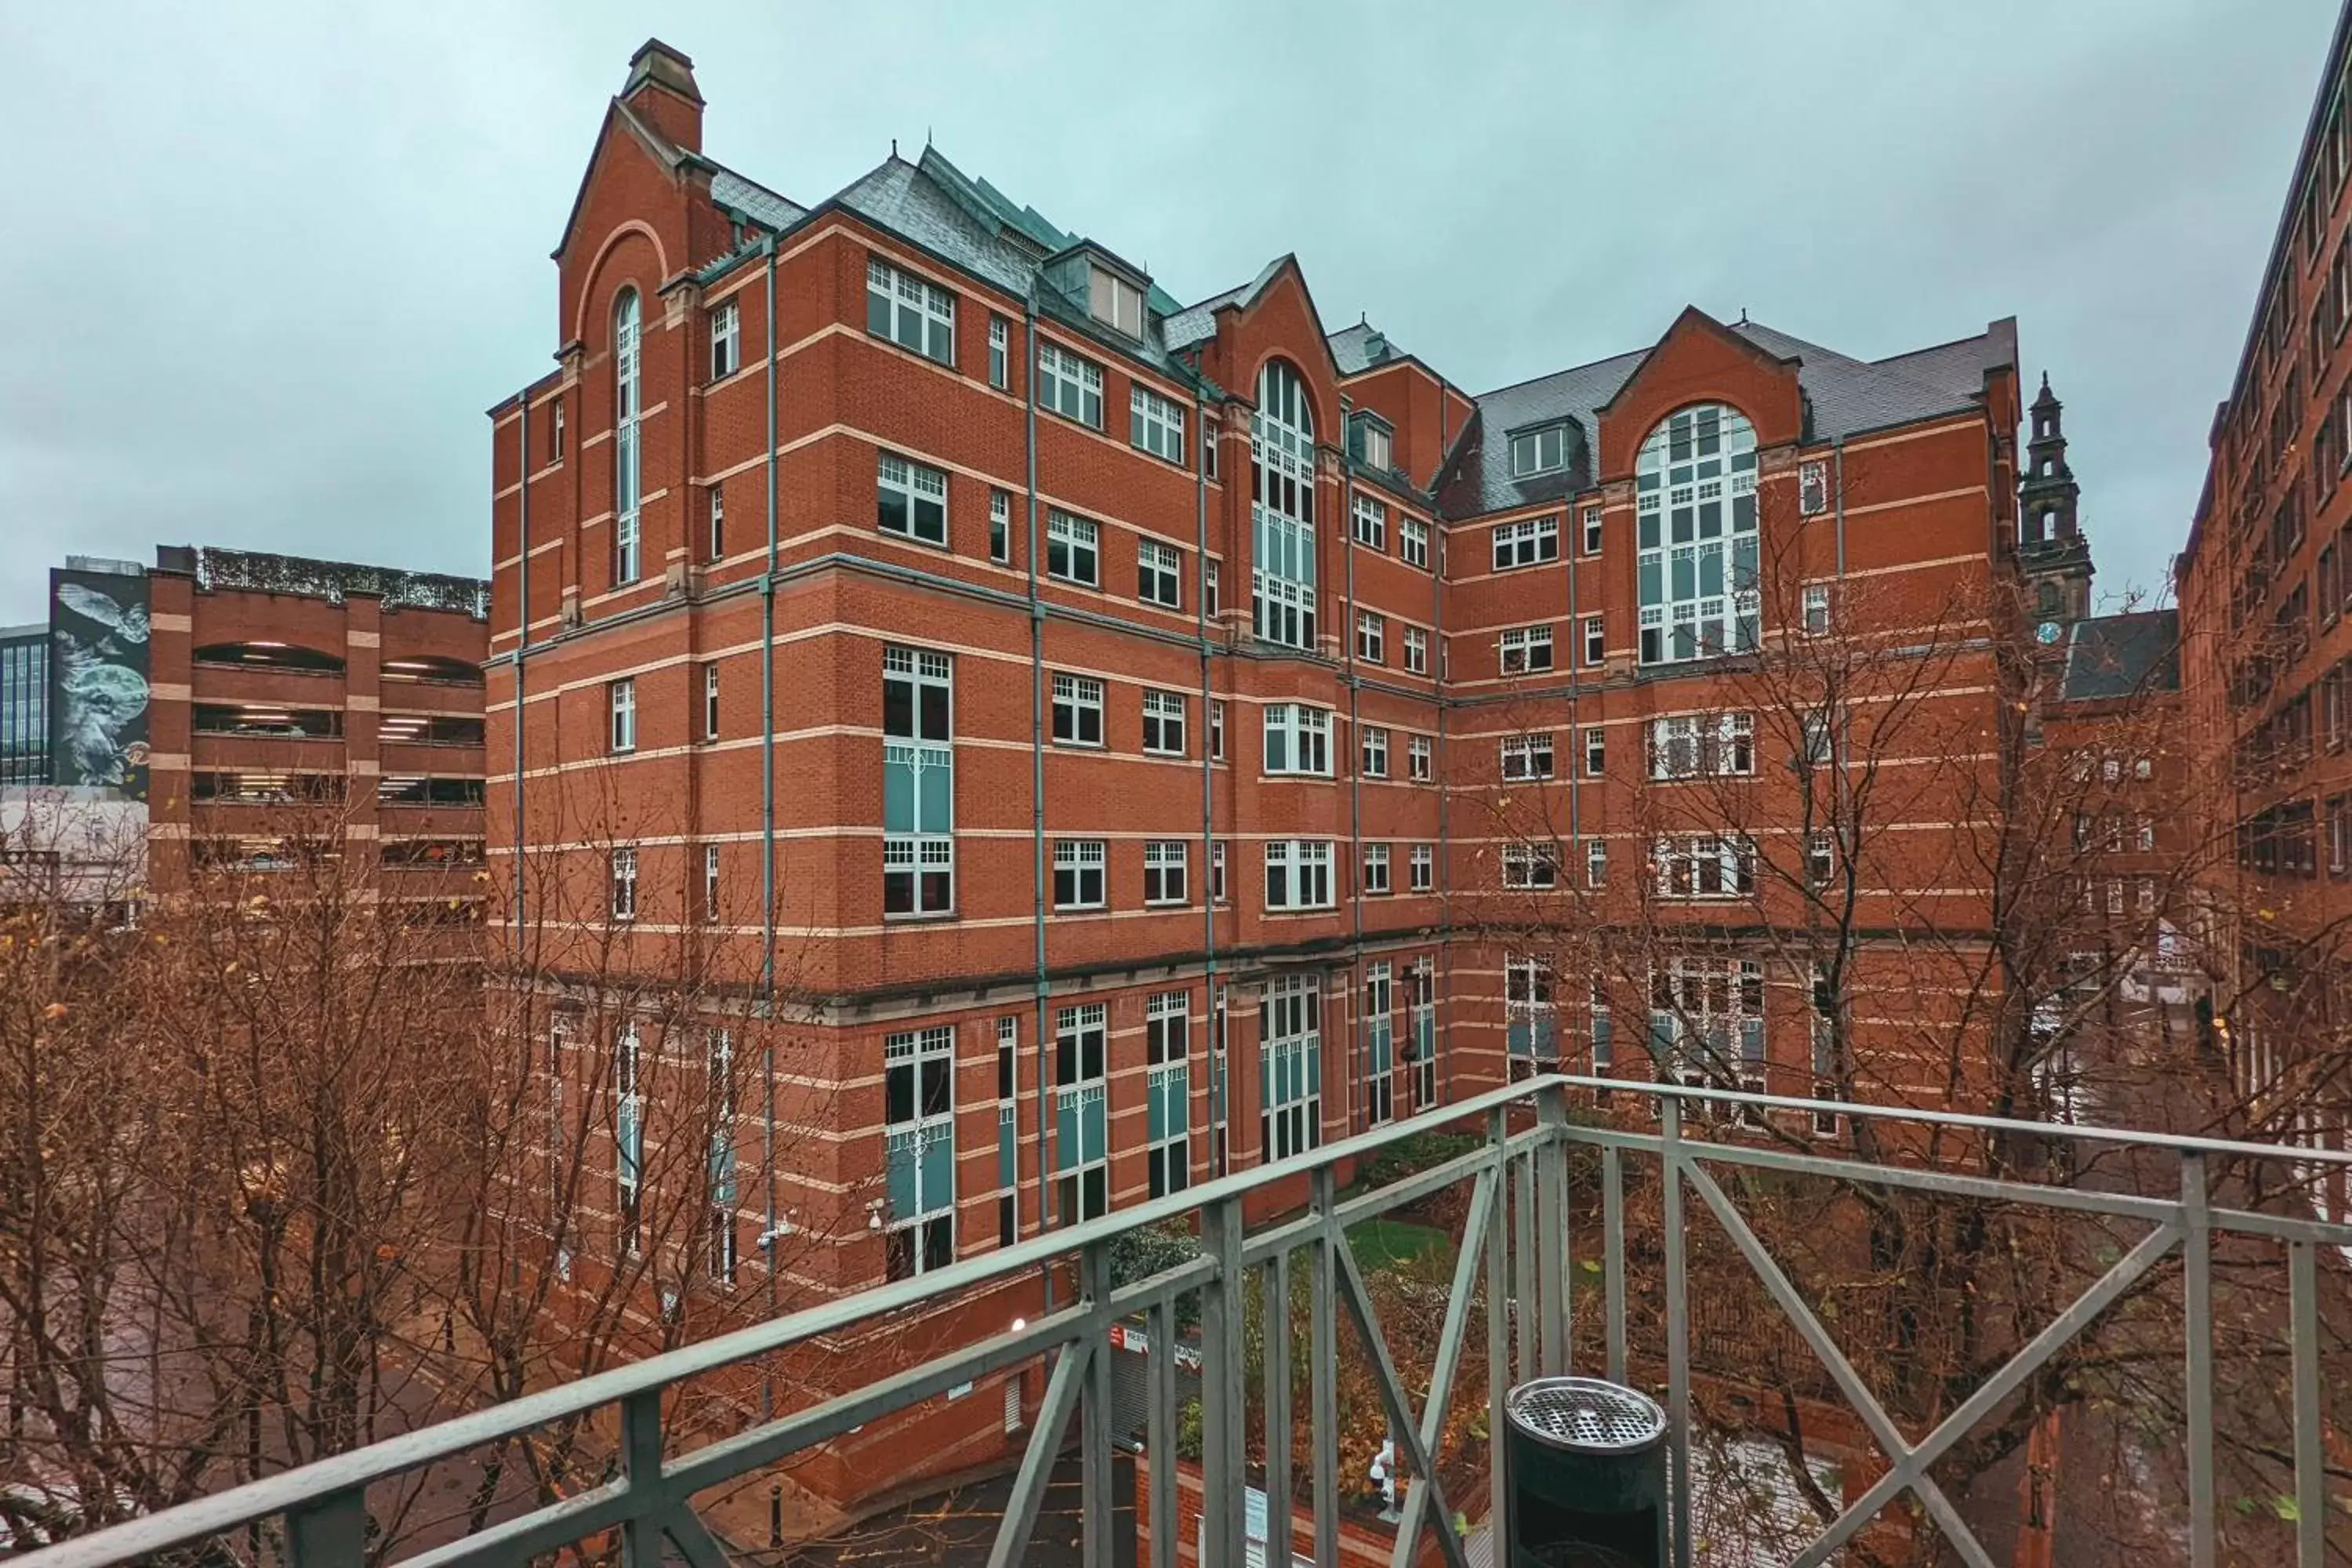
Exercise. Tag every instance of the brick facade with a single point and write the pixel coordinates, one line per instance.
(769, 593)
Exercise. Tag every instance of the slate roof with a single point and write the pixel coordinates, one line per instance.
(2123, 655)
(1198, 323)
(1843, 397)
(1351, 348)
(729, 189)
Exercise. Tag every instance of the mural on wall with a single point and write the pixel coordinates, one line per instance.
(97, 673)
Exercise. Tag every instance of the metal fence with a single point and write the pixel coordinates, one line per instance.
(1517, 1239)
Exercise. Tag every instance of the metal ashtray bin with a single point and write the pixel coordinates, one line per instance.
(1587, 1471)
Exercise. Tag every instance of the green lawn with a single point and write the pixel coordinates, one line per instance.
(1383, 1243)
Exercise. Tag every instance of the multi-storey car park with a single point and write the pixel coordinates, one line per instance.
(1101, 720)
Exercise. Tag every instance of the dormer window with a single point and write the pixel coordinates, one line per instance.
(1114, 302)
(1539, 451)
(1370, 442)
(1377, 450)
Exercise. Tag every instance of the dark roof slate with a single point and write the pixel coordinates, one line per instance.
(2123, 655)
(1844, 396)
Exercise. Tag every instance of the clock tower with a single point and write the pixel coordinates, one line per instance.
(2051, 547)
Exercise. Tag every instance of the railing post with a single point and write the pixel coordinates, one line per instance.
(1612, 1246)
(1160, 1324)
(1323, 1380)
(641, 1452)
(1095, 1417)
(1223, 1400)
(1498, 1348)
(1524, 1285)
(328, 1533)
(2197, 1325)
(2310, 1477)
(1551, 1228)
(1670, 1158)
(1276, 1295)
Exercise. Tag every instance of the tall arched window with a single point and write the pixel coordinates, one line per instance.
(624, 437)
(1695, 481)
(1282, 509)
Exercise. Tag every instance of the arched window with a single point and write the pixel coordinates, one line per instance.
(624, 437)
(1695, 485)
(1282, 509)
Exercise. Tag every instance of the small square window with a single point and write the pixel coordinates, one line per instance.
(1078, 711)
(1073, 549)
(912, 501)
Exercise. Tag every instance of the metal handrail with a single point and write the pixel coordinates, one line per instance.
(1532, 1159)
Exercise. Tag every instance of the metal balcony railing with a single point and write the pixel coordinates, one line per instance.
(1517, 1235)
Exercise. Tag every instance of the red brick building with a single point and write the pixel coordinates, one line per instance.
(2264, 586)
(283, 690)
(1113, 723)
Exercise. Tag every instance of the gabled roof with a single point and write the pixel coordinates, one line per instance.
(659, 147)
(1198, 323)
(1844, 396)
(2131, 655)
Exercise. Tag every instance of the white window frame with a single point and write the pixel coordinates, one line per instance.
(1369, 522)
(1820, 858)
(711, 868)
(1290, 1063)
(1000, 353)
(1380, 446)
(1530, 541)
(1530, 1016)
(1166, 1054)
(1590, 522)
(1069, 385)
(1596, 752)
(1817, 609)
(1073, 548)
(1527, 757)
(1078, 711)
(1218, 891)
(1422, 868)
(1813, 488)
(1596, 863)
(1539, 452)
(1114, 300)
(1088, 862)
(1081, 1058)
(1416, 651)
(1216, 728)
(718, 523)
(1155, 424)
(910, 312)
(1375, 752)
(921, 492)
(1298, 741)
(1282, 510)
(999, 526)
(925, 1058)
(1596, 641)
(1159, 573)
(1413, 542)
(1419, 758)
(1694, 509)
(627, 447)
(1525, 650)
(919, 870)
(1298, 875)
(1702, 745)
(1376, 870)
(621, 699)
(625, 882)
(1163, 723)
(1531, 867)
(1167, 865)
(1705, 868)
(726, 341)
(1380, 1044)
(1371, 637)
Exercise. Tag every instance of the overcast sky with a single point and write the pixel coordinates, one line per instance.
(265, 265)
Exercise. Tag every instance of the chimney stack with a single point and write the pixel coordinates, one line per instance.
(661, 91)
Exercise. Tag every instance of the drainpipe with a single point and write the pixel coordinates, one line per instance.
(1572, 546)
(1440, 565)
(768, 817)
(1355, 778)
(768, 698)
(522, 646)
(1208, 762)
(1037, 769)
